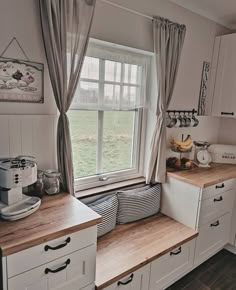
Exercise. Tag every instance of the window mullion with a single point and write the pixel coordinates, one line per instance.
(99, 162)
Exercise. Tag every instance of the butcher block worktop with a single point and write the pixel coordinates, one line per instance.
(133, 245)
(57, 216)
(203, 177)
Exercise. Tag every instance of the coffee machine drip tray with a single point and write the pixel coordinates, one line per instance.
(21, 209)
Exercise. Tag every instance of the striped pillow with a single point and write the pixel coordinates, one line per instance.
(138, 204)
(107, 208)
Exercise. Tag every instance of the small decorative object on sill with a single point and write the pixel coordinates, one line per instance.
(203, 89)
(52, 180)
(181, 118)
(179, 164)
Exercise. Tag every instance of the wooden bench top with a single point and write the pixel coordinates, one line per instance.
(131, 246)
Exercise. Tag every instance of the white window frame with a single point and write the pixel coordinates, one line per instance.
(103, 179)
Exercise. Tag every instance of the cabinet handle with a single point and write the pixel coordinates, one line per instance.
(67, 241)
(220, 186)
(227, 113)
(126, 282)
(177, 252)
(216, 224)
(47, 270)
(218, 199)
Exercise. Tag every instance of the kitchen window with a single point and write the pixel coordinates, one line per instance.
(106, 116)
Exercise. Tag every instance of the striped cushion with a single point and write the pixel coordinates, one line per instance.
(107, 207)
(138, 204)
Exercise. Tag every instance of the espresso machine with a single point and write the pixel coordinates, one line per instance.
(16, 173)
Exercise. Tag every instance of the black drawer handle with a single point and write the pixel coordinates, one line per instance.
(216, 224)
(126, 282)
(47, 270)
(220, 186)
(227, 113)
(177, 252)
(67, 241)
(218, 199)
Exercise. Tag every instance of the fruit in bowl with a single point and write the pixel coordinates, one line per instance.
(176, 163)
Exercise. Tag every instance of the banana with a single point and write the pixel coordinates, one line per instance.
(188, 140)
(186, 147)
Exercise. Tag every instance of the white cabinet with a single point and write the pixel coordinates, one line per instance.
(71, 272)
(207, 210)
(212, 237)
(172, 266)
(138, 280)
(223, 77)
(66, 263)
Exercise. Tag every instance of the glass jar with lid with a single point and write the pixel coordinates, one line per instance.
(52, 181)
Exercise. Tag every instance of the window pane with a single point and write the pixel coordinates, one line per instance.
(131, 73)
(83, 127)
(90, 69)
(118, 128)
(111, 95)
(112, 71)
(86, 93)
(131, 95)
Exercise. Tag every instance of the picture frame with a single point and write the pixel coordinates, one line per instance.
(21, 81)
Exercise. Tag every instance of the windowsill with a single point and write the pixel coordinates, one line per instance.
(108, 187)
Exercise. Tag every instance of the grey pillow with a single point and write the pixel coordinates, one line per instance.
(106, 207)
(138, 204)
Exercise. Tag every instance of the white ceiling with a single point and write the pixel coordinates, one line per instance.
(220, 11)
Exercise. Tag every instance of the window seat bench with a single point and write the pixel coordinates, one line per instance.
(131, 246)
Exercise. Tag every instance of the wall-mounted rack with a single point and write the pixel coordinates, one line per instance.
(181, 118)
(193, 111)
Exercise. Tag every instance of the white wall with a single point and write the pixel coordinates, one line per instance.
(26, 128)
(22, 20)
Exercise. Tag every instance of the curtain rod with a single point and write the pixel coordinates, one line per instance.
(127, 9)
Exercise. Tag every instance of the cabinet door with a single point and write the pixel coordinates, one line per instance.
(138, 280)
(172, 266)
(212, 237)
(71, 272)
(224, 100)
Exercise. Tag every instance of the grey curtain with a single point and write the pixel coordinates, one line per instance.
(168, 42)
(66, 26)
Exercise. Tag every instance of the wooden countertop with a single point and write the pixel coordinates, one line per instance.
(131, 246)
(203, 177)
(57, 216)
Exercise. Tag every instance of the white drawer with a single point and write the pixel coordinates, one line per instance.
(215, 206)
(218, 188)
(33, 257)
(170, 267)
(73, 272)
(138, 280)
(212, 237)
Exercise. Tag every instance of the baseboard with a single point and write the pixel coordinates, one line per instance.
(230, 248)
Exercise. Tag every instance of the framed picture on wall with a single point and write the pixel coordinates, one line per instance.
(21, 81)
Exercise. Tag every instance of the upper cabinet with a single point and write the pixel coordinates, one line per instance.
(223, 77)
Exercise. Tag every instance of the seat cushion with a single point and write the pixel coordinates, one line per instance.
(138, 203)
(106, 207)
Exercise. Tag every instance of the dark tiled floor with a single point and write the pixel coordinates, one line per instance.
(218, 273)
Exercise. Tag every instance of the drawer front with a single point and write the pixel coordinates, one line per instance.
(212, 237)
(138, 280)
(170, 267)
(215, 206)
(218, 188)
(52, 250)
(71, 272)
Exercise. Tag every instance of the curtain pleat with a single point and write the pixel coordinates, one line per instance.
(66, 26)
(168, 43)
